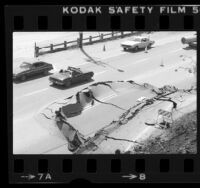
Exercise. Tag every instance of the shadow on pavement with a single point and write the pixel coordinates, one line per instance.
(28, 79)
(70, 87)
(139, 50)
(100, 63)
(189, 48)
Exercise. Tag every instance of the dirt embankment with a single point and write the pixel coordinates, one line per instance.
(180, 138)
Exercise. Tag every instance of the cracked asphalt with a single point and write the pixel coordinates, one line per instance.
(32, 96)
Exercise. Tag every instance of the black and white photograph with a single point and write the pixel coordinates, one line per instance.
(130, 92)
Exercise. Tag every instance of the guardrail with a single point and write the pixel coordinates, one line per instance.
(77, 43)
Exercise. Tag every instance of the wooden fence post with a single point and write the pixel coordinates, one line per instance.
(90, 39)
(101, 36)
(78, 42)
(36, 51)
(51, 47)
(65, 44)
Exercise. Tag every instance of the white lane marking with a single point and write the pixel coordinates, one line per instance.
(122, 53)
(100, 72)
(142, 133)
(32, 93)
(39, 91)
(142, 60)
(82, 64)
(146, 59)
(173, 51)
(140, 77)
(168, 40)
(136, 62)
(102, 99)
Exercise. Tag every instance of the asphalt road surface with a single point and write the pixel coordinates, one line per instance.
(31, 96)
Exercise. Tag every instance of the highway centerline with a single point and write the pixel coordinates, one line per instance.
(102, 99)
(32, 93)
(137, 137)
(45, 89)
(98, 73)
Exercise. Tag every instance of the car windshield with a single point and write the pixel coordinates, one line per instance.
(137, 39)
(64, 71)
(25, 65)
(73, 69)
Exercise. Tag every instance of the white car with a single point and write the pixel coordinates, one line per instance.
(137, 43)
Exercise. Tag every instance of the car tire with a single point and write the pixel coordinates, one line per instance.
(89, 78)
(46, 72)
(67, 84)
(149, 46)
(23, 78)
(136, 48)
(53, 83)
(125, 49)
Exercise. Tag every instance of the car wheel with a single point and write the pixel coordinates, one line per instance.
(67, 84)
(23, 78)
(136, 48)
(125, 49)
(149, 46)
(88, 78)
(46, 72)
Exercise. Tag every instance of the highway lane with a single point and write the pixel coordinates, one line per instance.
(132, 64)
(33, 95)
(120, 61)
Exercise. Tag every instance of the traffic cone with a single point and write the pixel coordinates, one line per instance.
(162, 64)
(104, 48)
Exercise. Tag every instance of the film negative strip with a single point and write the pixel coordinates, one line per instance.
(90, 88)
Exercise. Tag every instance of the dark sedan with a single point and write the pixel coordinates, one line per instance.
(26, 70)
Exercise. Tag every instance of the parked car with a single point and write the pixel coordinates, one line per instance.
(27, 69)
(70, 76)
(191, 41)
(137, 43)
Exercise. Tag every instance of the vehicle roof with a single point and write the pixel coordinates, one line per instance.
(27, 63)
(74, 69)
(70, 70)
(20, 60)
(140, 37)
